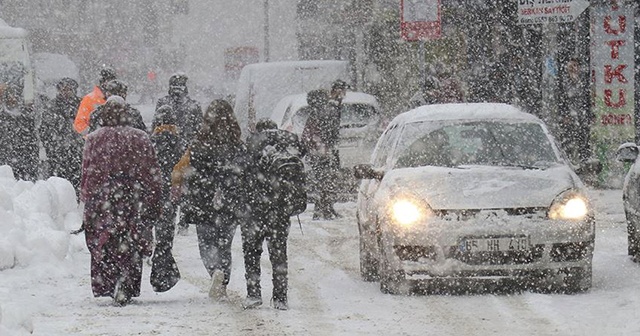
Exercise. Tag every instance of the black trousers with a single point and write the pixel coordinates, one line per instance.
(272, 226)
(214, 241)
(325, 172)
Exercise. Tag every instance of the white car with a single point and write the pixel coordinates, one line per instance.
(359, 124)
(628, 152)
(472, 191)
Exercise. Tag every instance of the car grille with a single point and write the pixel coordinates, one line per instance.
(415, 253)
(498, 258)
(468, 214)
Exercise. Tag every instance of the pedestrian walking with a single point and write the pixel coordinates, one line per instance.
(62, 144)
(18, 135)
(121, 189)
(215, 198)
(188, 118)
(320, 137)
(92, 100)
(271, 207)
(166, 142)
(575, 114)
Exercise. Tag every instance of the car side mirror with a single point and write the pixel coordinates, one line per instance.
(627, 152)
(366, 172)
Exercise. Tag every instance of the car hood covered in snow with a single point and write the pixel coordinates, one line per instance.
(480, 187)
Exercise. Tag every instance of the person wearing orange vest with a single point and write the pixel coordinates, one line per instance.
(92, 100)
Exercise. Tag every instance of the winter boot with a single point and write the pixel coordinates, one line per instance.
(251, 302)
(218, 290)
(279, 304)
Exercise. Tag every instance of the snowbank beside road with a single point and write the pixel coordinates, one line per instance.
(35, 220)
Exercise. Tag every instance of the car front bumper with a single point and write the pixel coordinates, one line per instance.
(437, 248)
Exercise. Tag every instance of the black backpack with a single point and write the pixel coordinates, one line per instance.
(285, 173)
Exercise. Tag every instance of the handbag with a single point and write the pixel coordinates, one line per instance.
(164, 269)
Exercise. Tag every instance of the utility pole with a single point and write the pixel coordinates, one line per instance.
(266, 31)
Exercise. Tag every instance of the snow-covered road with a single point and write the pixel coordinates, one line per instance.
(327, 296)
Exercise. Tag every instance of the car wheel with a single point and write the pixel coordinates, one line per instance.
(391, 281)
(368, 263)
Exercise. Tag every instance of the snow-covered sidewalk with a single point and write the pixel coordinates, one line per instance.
(47, 291)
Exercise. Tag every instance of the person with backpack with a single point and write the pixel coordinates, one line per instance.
(215, 196)
(121, 190)
(277, 192)
(166, 142)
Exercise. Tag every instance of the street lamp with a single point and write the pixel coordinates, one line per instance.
(266, 30)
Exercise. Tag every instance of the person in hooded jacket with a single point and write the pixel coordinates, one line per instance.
(121, 188)
(18, 135)
(320, 138)
(188, 117)
(270, 220)
(62, 144)
(215, 199)
(166, 142)
(92, 100)
(132, 116)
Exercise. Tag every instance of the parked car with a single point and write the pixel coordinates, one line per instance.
(628, 152)
(472, 191)
(262, 85)
(359, 127)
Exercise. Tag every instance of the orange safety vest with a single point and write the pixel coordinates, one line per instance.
(88, 104)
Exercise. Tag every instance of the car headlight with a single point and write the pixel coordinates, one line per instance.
(570, 205)
(407, 211)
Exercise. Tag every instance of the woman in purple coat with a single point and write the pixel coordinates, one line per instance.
(121, 190)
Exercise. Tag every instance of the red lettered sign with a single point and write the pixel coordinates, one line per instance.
(420, 19)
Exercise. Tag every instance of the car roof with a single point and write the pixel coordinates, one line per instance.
(298, 101)
(351, 97)
(464, 111)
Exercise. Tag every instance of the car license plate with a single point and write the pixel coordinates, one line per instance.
(495, 244)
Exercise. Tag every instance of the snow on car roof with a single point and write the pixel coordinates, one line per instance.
(466, 111)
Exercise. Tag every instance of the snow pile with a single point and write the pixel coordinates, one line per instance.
(35, 220)
(32, 219)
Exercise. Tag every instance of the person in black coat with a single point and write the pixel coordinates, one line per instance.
(188, 118)
(320, 137)
(133, 117)
(270, 220)
(165, 138)
(18, 138)
(216, 192)
(62, 144)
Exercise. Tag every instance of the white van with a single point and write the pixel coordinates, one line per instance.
(262, 85)
(14, 58)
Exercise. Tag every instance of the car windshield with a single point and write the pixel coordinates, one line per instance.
(353, 116)
(357, 115)
(492, 143)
